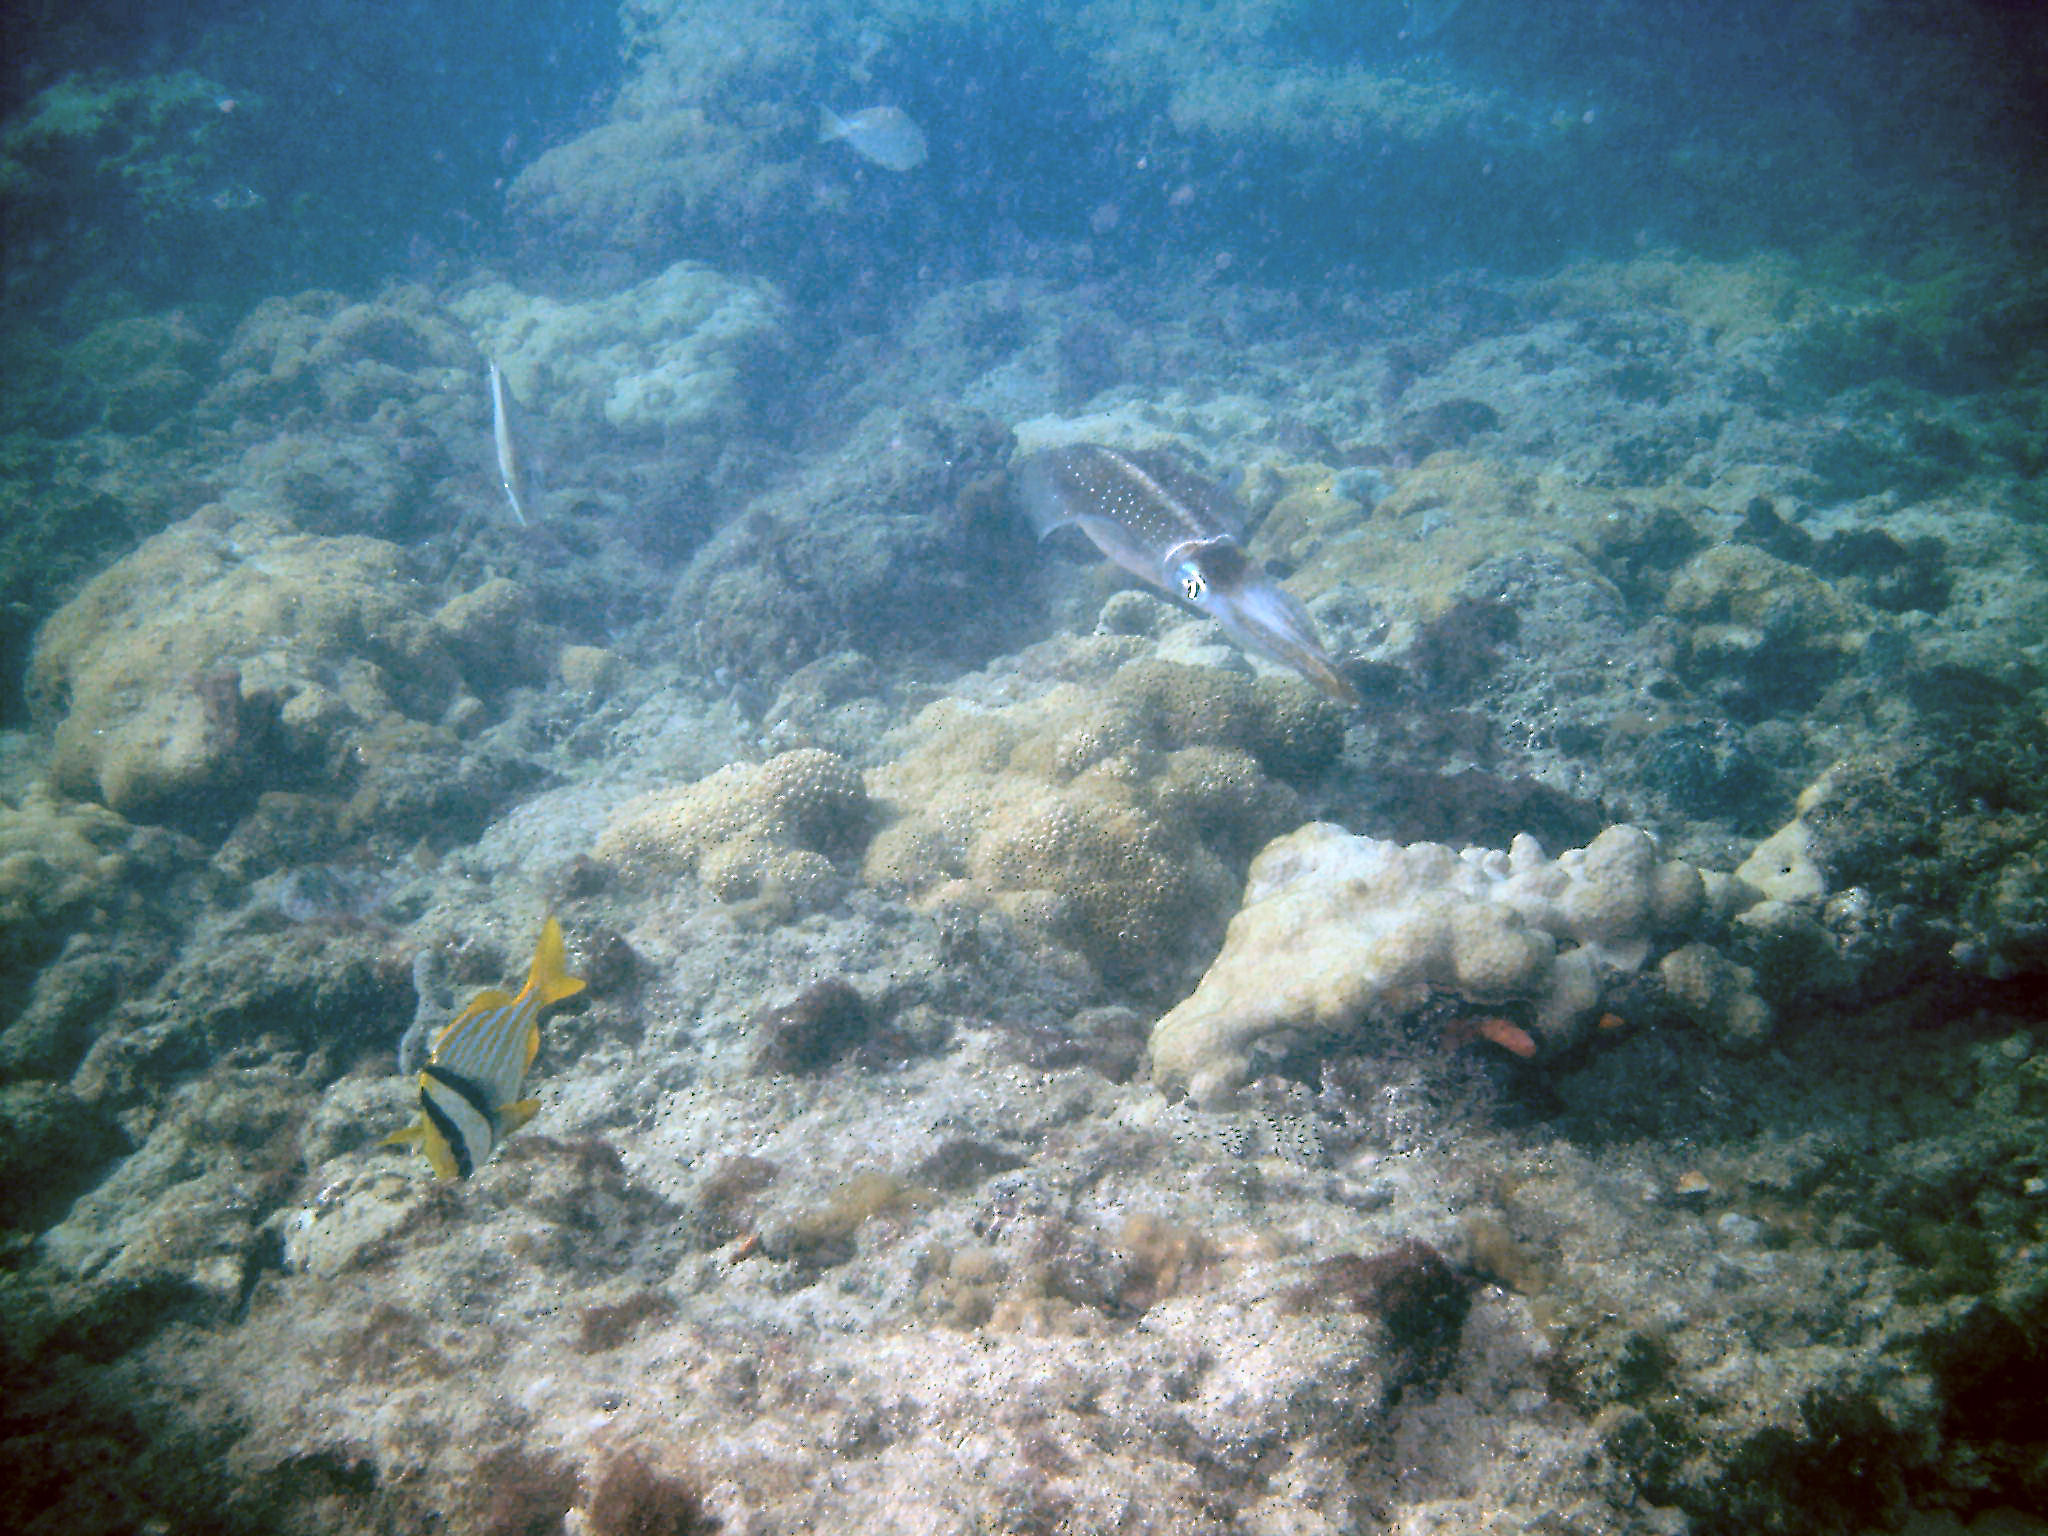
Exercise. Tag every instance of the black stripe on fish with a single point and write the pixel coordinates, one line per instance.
(467, 1089)
(447, 1130)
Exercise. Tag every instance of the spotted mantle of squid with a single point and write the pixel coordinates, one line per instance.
(1182, 534)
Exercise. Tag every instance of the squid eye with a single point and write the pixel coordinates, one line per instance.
(1194, 586)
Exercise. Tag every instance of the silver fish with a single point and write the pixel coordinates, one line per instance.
(1182, 534)
(884, 135)
(511, 473)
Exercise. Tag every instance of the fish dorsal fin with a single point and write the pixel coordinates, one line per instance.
(549, 975)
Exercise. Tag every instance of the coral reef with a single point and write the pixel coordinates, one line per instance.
(1593, 1193)
(232, 654)
(1111, 814)
(766, 833)
(670, 358)
(886, 547)
(1340, 933)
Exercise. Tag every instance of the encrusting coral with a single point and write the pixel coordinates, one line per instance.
(751, 831)
(1338, 932)
(1109, 819)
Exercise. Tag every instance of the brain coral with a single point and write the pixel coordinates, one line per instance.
(751, 831)
(1338, 931)
(1109, 815)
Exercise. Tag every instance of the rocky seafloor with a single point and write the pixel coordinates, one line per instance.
(884, 840)
(1041, 1070)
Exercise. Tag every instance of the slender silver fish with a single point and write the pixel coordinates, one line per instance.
(1181, 534)
(511, 473)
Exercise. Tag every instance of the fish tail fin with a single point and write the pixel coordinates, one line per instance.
(550, 977)
(830, 125)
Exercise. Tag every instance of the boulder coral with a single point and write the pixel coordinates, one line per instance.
(764, 832)
(1339, 932)
(232, 654)
(1110, 816)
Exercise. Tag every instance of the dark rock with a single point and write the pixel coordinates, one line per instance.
(1762, 526)
(53, 1147)
(1410, 1289)
(821, 1024)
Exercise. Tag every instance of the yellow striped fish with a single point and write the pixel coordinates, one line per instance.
(469, 1088)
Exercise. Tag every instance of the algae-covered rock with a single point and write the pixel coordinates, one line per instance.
(894, 546)
(60, 866)
(52, 1148)
(1716, 994)
(1936, 847)
(1442, 521)
(84, 900)
(666, 357)
(1762, 636)
(494, 633)
(1339, 933)
(144, 368)
(350, 361)
(629, 185)
(225, 655)
(1110, 816)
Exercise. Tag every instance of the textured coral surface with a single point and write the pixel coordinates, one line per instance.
(1341, 933)
(1042, 1070)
